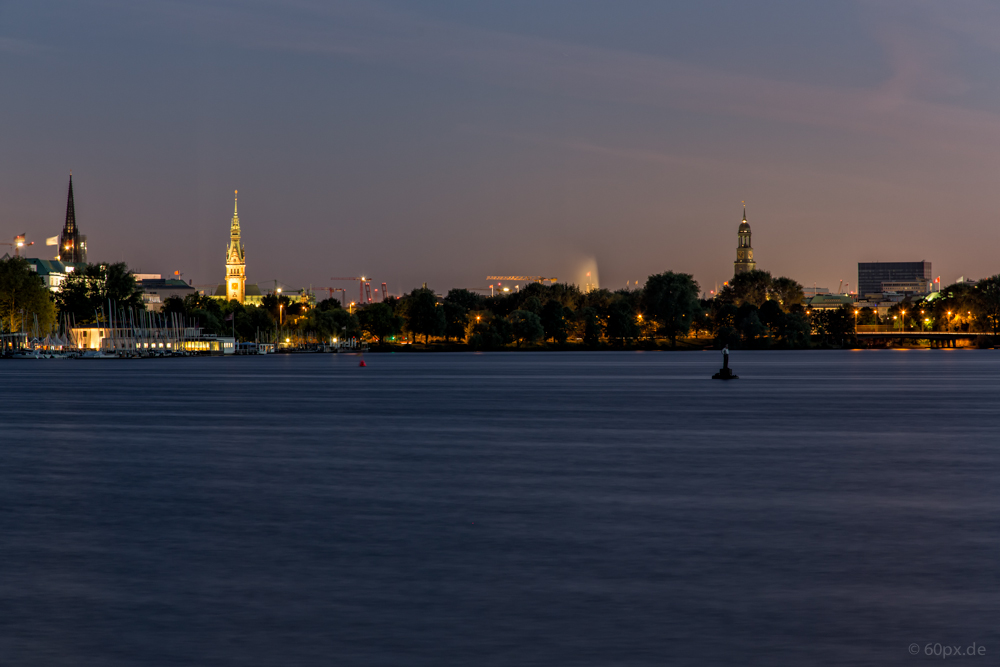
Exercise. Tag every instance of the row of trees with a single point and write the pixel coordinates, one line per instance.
(752, 310)
(666, 308)
(24, 298)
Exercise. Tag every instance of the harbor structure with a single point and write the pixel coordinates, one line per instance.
(744, 250)
(141, 335)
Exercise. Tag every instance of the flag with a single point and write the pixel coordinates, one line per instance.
(52, 240)
(229, 317)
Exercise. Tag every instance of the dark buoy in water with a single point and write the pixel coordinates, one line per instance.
(725, 373)
(362, 363)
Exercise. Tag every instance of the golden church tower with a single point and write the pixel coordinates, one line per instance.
(236, 266)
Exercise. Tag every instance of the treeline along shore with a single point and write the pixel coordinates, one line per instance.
(753, 311)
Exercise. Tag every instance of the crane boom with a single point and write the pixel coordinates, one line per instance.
(534, 279)
(363, 284)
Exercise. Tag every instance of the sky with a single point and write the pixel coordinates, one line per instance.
(442, 141)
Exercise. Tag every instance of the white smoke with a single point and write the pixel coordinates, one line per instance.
(587, 278)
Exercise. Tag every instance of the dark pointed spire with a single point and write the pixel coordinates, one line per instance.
(72, 245)
(70, 226)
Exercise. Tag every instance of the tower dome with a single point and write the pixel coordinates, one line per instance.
(744, 226)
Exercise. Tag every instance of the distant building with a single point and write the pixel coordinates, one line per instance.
(744, 251)
(72, 244)
(52, 271)
(236, 266)
(156, 290)
(829, 301)
(871, 275)
(919, 286)
(814, 291)
(252, 296)
(235, 287)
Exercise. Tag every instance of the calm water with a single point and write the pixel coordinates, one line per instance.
(830, 508)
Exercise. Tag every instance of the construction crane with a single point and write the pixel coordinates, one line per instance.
(385, 292)
(363, 283)
(532, 279)
(331, 290)
(18, 243)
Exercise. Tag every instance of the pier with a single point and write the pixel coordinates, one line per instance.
(873, 334)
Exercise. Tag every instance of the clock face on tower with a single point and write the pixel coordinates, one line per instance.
(739, 255)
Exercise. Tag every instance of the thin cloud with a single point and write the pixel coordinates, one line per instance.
(18, 46)
(895, 109)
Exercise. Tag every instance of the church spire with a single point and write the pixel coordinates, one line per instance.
(70, 226)
(72, 244)
(235, 226)
(744, 250)
(236, 269)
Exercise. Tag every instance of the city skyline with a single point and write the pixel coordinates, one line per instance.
(444, 143)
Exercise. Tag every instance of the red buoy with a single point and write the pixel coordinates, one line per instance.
(362, 363)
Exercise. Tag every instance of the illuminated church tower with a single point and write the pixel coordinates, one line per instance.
(236, 266)
(72, 244)
(744, 251)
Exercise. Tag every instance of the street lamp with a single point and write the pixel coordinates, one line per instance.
(903, 314)
(856, 311)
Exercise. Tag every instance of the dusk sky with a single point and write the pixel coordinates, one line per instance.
(443, 140)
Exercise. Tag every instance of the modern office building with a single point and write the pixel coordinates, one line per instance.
(871, 275)
(919, 286)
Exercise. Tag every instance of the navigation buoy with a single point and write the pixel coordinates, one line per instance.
(362, 363)
(725, 373)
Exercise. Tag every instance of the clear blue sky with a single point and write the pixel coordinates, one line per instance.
(443, 140)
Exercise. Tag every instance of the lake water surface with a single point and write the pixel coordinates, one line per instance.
(829, 508)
